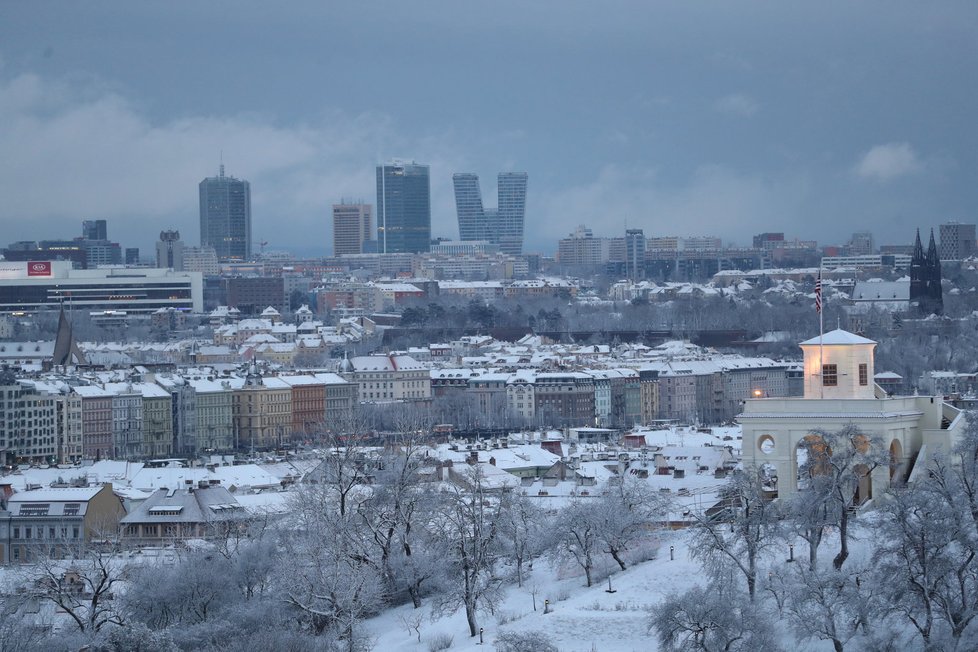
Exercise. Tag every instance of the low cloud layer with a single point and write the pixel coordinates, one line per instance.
(887, 162)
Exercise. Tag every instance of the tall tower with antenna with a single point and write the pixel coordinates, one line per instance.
(225, 216)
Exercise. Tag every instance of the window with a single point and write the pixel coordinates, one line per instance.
(863, 374)
(16, 532)
(830, 375)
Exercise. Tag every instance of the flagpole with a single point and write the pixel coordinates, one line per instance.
(821, 332)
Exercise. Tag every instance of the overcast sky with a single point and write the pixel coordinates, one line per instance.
(682, 118)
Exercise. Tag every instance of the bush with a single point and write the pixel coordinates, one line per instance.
(524, 642)
(439, 642)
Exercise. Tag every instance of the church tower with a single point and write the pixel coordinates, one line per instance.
(934, 293)
(925, 278)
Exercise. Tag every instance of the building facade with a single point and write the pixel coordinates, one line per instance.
(352, 228)
(225, 216)
(957, 241)
(840, 393)
(502, 226)
(169, 251)
(403, 207)
(48, 285)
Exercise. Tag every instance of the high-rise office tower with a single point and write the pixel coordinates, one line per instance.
(225, 216)
(472, 221)
(512, 209)
(635, 253)
(95, 230)
(169, 251)
(502, 225)
(403, 207)
(957, 241)
(352, 227)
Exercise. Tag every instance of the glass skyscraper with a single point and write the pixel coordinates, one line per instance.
(225, 216)
(503, 225)
(472, 221)
(403, 208)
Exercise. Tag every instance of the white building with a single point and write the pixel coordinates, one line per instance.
(839, 392)
(27, 287)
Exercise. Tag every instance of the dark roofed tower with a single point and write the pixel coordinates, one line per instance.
(935, 293)
(925, 278)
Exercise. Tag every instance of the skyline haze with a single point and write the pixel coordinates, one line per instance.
(679, 119)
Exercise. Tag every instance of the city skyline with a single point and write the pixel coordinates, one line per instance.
(728, 120)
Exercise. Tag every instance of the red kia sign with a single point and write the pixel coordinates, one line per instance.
(39, 268)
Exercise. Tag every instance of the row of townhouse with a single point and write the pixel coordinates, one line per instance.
(164, 415)
(699, 391)
(62, 522)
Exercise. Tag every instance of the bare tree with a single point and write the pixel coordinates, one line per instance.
(470, 520)
(576, 537)
(741, 527)
(827, 605)
(626, 515)
(837, 463)
(329, 580)
(347, 460)
(712, 619)
(525, 528)
(83, 588)
(926, 563)
(390, 512)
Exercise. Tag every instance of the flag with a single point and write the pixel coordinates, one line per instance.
(818, 292)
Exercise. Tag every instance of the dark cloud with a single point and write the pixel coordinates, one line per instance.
(682, 118)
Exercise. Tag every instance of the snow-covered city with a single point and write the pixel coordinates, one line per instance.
(457, 326)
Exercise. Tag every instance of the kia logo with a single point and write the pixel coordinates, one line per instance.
(39, 267)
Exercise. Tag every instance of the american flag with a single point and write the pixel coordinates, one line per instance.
(818, 292)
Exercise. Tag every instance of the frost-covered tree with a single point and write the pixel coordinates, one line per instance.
(525, 529)
(828, 605)
(712, 619)
(190, 592)
(575, 537)
(836, 462)
(625, 516)
(84, 589)
(736, 533)
(389, 516)
(926, 565)
(470, 521)
(329, 579)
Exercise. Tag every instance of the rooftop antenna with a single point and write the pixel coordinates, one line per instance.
(222, 163)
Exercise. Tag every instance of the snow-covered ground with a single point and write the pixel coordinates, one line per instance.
(584, 619)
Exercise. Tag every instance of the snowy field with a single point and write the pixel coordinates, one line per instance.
(582, 619)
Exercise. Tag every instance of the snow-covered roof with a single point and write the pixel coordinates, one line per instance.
(838, 336)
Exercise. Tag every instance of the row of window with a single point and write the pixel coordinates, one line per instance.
(52, 532)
